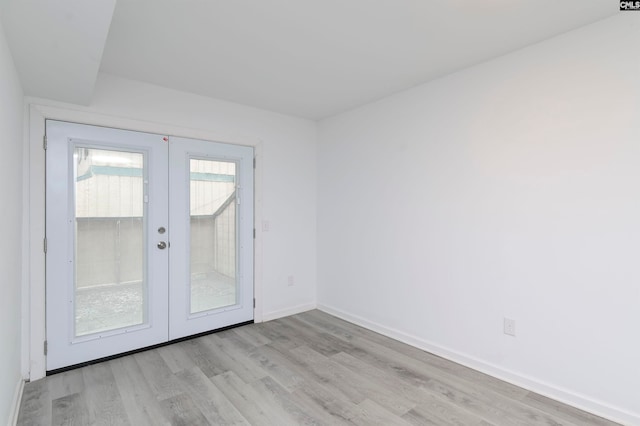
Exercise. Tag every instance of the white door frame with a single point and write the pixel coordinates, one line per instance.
(34, 327)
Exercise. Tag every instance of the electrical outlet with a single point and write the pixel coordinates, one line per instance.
(510, 327)
(265, 226)
(290, 280)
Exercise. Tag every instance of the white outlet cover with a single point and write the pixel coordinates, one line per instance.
(509, 327)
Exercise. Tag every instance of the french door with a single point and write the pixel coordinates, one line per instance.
(149, 239)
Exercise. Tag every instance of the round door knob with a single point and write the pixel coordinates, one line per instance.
(162, 245)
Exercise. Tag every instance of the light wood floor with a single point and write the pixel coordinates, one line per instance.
(308, 369)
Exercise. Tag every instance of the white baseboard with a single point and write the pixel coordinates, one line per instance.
(268, 316)
(15, 405)
(565, 396)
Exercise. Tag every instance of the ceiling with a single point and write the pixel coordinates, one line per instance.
(308, 58)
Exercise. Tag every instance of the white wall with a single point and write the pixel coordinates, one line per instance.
(287, 148)
(510, 189)
(11, 121)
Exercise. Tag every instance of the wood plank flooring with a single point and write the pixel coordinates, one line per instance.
(307, 369)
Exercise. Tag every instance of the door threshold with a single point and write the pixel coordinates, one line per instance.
(135, 351)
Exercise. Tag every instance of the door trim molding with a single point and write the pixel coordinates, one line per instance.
(34, 326)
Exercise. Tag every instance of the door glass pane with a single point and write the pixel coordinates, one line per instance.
(110, 287)
(213, 234)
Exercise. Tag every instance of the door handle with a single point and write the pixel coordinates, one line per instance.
(162, 245)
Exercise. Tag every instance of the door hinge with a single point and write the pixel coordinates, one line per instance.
(46, 347)
(254, 162)
(254, 233)
(44, 243)
(254, 303)
(44, 142)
